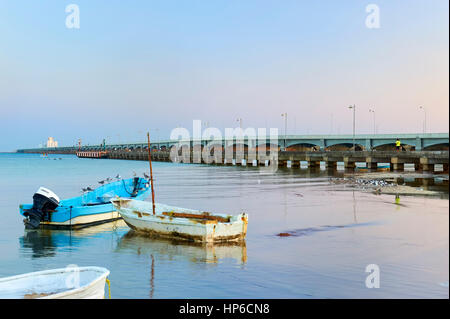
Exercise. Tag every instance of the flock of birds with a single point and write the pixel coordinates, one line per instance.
(373, 182)
(363, 182)
(108, 180)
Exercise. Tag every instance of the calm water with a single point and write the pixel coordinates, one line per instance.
(338, 232)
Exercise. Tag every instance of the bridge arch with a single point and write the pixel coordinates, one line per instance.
(392, 147)
(437, 147)
(313, 142)
(302, 147)
(344, 146)
(267, 146)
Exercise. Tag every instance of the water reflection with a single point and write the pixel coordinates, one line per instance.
(171, 249)
(45, 242)
(41, 245)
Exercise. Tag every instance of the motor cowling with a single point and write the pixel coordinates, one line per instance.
(44, 200)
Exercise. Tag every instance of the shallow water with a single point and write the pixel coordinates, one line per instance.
(334, 232)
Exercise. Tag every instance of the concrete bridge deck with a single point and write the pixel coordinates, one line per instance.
(366, 142)
(422, 160)
(319, 150)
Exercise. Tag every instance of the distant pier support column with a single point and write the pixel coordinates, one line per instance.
(332, 164)
(396, 164)
(348, 163)
(418, 143)
(425, 165)
(322, 145)
(313, 163)
(197, 154)
(368, 144)
(428, 167)
(372, 165)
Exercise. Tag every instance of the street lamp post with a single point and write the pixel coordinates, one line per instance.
(374, 126)
(354, 111)
(285, 128)
(240, 122)
(425, 119)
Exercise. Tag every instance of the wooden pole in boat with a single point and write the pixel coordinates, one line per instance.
(151, 173)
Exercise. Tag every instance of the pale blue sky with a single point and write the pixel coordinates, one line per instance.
(135, 65)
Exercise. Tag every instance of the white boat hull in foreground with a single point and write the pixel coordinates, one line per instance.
(181, 223)
(63, 283)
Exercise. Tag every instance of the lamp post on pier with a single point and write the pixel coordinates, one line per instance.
(285, 128)
(425, 118)
(240, 122)
(354, 111)
(374, 126)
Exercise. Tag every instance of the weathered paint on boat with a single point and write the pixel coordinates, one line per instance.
(181, 223)
(63, 283)
(92, 208)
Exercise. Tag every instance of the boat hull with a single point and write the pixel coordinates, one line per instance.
(80, 222)
(138, 216)
(64, 283)
(90, 209)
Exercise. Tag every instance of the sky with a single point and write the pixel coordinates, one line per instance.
(138, 66)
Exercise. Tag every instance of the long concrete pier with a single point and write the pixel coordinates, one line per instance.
(424, 160)
(423, 150)
(366, 142)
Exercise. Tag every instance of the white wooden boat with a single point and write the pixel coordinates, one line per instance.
(63, 283)
(181, 223)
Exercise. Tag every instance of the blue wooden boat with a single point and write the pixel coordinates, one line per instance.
(92, 208)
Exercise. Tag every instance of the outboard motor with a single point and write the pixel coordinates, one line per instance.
(135, 186)
(44, 200)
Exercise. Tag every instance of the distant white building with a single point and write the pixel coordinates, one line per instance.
(51, 142)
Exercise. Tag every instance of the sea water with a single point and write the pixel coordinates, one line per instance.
(335, 233)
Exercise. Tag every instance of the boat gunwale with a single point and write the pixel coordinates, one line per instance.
(202, 215)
